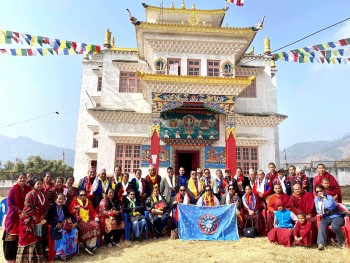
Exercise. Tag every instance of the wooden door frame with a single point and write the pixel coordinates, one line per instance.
(177, 152)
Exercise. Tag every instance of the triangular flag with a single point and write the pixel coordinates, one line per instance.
(339, 60)
(335, 52)
(34, 41)
(331, 44)
(63, 44)
(13, 51)
(341, 52)
(333, 60)
(40, 50)
(50, 50)
(342, 42)
(40, 40)
(29, 52)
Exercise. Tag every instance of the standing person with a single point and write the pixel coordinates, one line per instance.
(48, 183)
(92, 186)
(220, 184)
(195, 185)
(273, 173)
(15, 202)
(134, 208)
(291, 171)
(153, 178)
(29, 179)
(89, 229)
(140, 186)
(301, 179)
(169, 187)
(105, 183)
(158, 209)
(72, 191)
(252, 177)
(283, 181)
(336, 194)
(262, 186)
(304, 232)
(110, 215)
(240, 179)
(117, 177)
(66, 240)
(272, 204)
(322, 173)
(208, 179)
(182, 177)
(252, 206)
(59, 188)
(122, 189)
(34, 212)
(230, 180)
(208, 198)
(328, 209)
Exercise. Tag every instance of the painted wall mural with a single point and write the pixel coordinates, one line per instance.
(215, 157)
(164, 156)
(185, 124)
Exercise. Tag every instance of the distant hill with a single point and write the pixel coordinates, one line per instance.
(318, 151)
(23, 147)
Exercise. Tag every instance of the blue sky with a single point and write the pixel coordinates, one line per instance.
(314, 96)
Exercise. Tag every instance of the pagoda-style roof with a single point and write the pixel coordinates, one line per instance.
(174, 15)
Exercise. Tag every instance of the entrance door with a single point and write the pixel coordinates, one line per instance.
(188, 160)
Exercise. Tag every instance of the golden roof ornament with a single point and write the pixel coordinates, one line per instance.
(107, 42)
(193, 19)
(183, 5)
(172, 6)
(273, 64)
(267, 49)
(86, 57)
(113, 42)
(193, 6)
(250, 52)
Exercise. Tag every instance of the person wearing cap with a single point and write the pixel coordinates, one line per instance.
(262, 186)
(273, 173)
(104, 181)
(283, 181)
(282, 233)
(271, 204)
(92, 186)
(153, 178)
(195, 185)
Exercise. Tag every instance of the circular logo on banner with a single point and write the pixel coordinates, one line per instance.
(208, 224)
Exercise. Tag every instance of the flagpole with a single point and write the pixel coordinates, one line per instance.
(226, 13)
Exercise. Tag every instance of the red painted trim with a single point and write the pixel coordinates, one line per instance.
(155, 147)
(231, 153)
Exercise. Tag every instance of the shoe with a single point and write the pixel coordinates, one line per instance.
(88, 250)
(320, 247)
(116, 244)
(109, 245)
(155, 237)
(94, 248)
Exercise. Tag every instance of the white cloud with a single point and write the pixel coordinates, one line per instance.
(344, 31)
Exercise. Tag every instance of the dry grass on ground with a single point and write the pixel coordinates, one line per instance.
(245, 250)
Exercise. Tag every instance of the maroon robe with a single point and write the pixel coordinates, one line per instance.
(304, 203)
(333, 184)
(257, 217)
(271, 176)
(281, 236)
(307, 231)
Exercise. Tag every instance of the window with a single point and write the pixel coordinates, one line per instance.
(247, 157)
(193, 67)
(128, 157)
(99, 83)
(213, 68)
(94, 141)
(249, 92)
(172, 68)
(129, 82)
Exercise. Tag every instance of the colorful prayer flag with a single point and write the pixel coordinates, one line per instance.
(236, 2)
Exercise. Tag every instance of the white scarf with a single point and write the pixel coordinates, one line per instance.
(282, 183)
(251, 183)
(186, 201)
(171, 183)
(125, 186)
(236, 177)
(132, 201)
(115, 178)
(94, 186)
(65, 191)
(261, 186)
(228, 198)
(140, 185)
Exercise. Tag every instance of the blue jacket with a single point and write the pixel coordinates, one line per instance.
(328, 208)
(284, 219)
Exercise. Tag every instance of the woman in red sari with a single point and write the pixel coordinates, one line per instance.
(34, 212)
(15, 201)
(71, 190)
(252, 206)
(89, 229)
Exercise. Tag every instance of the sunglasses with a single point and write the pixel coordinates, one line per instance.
(208, 190)
(319, 191)
(231, 189)
(182, 190)
(82, 195)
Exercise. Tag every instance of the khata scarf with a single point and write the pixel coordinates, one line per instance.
(132, 205)
(192, 186)
(84, 211)
(208, 200)
(249, 201)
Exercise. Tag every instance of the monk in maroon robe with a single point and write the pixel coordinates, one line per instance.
(271, 204)
(301, 201)
(273, 173)
(305, 233)
(333, 184)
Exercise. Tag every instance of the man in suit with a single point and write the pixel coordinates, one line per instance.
(169, 186)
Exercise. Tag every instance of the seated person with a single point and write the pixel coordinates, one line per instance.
(158, 211)
(252, 206)
(304, 232)
(329, 190)
(208, 198)
(134, 208)
(89, 229)
(231, 197)
(111, 219)
(328, 209)
(282, 233)
(64, 228)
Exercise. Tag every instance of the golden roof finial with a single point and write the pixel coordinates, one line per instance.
(86, 57)
(193, 6)
(183, 5)
(107, 42)
(172, 5)
(273, 64)
(250, 52)
(113, 42)
(267, 49)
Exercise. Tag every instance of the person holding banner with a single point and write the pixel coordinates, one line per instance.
(208, 198)
(182, 197)
(158, 211)
(252, 206)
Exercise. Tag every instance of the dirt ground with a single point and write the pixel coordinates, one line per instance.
(244, 250)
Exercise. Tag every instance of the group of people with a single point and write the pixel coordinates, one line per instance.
(97, 211)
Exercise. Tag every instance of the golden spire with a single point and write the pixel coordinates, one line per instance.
(113, 42)
(273, 64)
(183, 5)
(267, 49)
(107, 42)
(172, 5)
(193, 6)
(250, 52)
